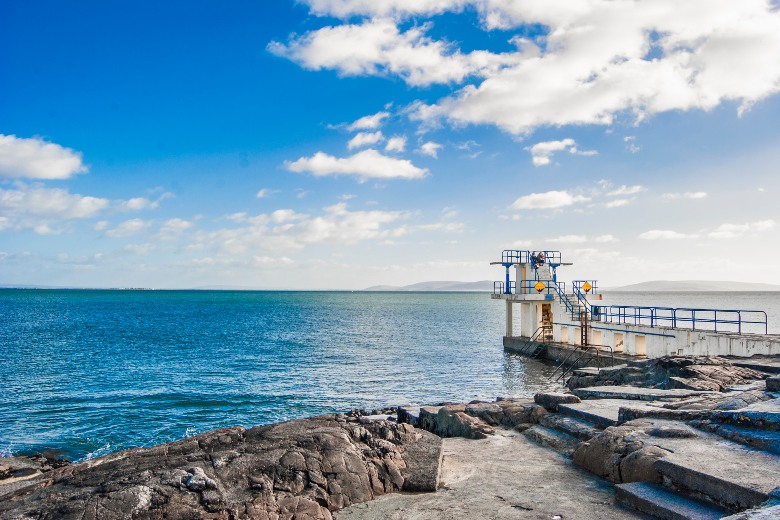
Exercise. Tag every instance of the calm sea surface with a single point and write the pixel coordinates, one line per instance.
(90, 372)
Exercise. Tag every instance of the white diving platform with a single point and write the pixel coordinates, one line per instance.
(576, 316)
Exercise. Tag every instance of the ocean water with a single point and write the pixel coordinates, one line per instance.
(91, 372)
(86, 373)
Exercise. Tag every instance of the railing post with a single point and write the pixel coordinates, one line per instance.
(739, 322)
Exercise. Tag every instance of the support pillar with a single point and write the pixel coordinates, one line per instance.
(508, 319)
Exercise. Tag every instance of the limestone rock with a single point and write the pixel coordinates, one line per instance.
(452, 421)
(627, 453)
(710, 373)
(507, 412)
(551, 400)
(299, 469)
(638, 466)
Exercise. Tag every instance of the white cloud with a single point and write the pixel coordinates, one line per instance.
(581, 239)
(631, 145)
(141, 203)
(626, 190)
(174, 227)
(617, 203)
(286, 229)
(396, 144)
(568, 239)
(363, 139)
(127, 228)
(44, 210)
(541, 153)
(430, 149)
(664, 234)
(370, 122)
(377, 47)
(686, 195)
(736, 230)
(364, 165)
(265, 193)
(34, 158)
(395, 8)
(547, 200)
(602, 59)
(140, 249)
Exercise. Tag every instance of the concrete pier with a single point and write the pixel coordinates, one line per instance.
(558, 317)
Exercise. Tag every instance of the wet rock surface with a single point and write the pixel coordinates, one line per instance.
(701, 373)
(298, 469)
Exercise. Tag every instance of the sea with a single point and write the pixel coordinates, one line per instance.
(84, 373)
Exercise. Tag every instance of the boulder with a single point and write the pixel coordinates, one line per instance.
(452, 421)
(299, 469)
(551, 400)
(511, 413)
(627, 453)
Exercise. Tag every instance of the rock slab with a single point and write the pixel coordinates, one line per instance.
(301, 469)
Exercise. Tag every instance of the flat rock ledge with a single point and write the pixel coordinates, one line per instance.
(302, 469)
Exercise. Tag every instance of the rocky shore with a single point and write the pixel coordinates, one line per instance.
(676, 437)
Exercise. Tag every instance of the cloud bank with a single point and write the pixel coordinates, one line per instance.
(579, 63)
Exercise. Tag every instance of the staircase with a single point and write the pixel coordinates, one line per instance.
(574, 306)
(706, 475)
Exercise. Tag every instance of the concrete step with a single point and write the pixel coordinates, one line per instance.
(603, 412)
(724, 472)
(636, 393)
(582, 430)
(764, 415)
(664, 503)
(755, 438)
(560, 442)
(768, 365)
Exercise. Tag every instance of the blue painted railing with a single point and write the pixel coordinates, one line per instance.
(520, 256)
(716, 320)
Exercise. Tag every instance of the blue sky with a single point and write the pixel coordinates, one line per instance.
(349, 143)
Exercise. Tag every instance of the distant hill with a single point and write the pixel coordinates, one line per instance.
(693, 286)
(481, 286)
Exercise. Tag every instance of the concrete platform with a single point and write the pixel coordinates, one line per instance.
(768, 364)
(603, 412)
(582, 430)
(664, 504)
(635, 393)
(559, 441)
(764, 415)
(735, 476)
(503, 477)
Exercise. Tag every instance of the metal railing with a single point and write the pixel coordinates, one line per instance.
(500, 288)
(715, 320)
(528, 287)
(540, 332)
(520, 256)
(515, 256)
(592, 351)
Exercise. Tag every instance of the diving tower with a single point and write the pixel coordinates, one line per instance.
(555, 316)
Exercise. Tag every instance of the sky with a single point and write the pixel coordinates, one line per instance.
(340, 144)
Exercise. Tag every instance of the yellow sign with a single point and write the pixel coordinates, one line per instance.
(540, 286)
(587, 286)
